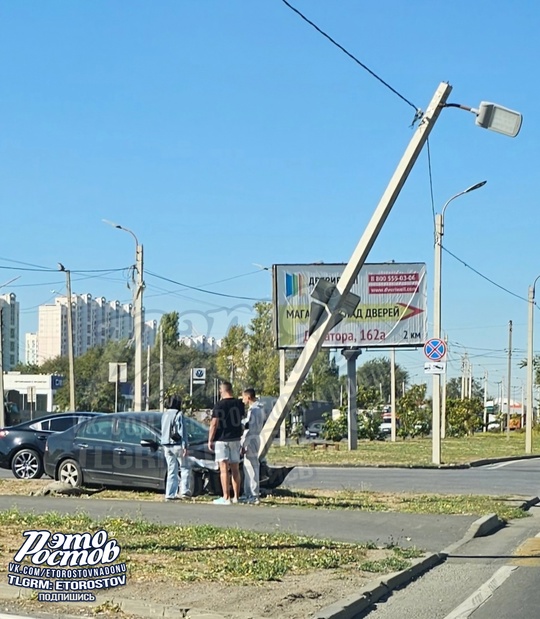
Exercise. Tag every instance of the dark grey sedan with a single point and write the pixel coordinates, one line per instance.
(123, 450)
(22, 445)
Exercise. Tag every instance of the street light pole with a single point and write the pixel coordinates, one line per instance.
(439, 232)
(137, 318)
(71, 354)
(530, 371)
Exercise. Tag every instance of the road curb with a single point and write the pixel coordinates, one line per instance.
(485, 461)
(352, 605)
(434, 467)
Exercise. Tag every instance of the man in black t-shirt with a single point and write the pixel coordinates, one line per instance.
(224, 438)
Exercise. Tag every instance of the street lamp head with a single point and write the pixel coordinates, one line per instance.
(111, 223)
(498, 118)
(477, 186)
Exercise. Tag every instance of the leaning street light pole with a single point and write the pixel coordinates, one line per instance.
(530, 371)
(439, 232)
(338, 300)
(338, 297)
(71, 354)
(137, 318)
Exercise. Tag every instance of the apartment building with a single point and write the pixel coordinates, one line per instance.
(201, 342)
(31, 350)
(96, 321)
(9, 310)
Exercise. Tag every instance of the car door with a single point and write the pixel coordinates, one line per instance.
(93, 449)
(133, 463)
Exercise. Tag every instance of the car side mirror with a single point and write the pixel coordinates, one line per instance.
(146, 442)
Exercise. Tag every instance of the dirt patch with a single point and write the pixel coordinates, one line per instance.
(295, 597)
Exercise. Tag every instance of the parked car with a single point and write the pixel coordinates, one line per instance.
(22, 445)
(123, 450)
(314, 430)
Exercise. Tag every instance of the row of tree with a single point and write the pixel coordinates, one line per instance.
(247, 357)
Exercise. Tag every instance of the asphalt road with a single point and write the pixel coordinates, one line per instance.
(487, 578)
(516, 477)
(521, 477)
(425, 531)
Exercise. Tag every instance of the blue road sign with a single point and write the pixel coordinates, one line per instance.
(435, 349)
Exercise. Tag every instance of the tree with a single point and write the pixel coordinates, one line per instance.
(27, 368)
(322, 382)
(263, 358)
(414, 418)
(169, 323)
(464, 417)
(376, 373)
(93, 391)
(453, 389)
(232, 357)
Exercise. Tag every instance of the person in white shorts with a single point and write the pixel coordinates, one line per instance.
(224, 438)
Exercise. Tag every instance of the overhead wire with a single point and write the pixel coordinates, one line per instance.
(468, 266)
(212, 292)
(418, 112)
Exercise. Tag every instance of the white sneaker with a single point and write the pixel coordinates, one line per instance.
(221, 501)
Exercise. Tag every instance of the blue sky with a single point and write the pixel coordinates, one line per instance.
(227, 133)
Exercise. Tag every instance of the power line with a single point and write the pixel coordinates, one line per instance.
(418, 113)
(218, 294)
(39, 269)
(468, 266)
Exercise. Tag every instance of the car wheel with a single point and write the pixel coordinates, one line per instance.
(27, 464)
(70, 472)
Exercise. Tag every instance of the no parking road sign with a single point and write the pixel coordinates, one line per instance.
(435, 349)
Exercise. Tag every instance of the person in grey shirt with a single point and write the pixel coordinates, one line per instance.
(176, 453)
(251, 442)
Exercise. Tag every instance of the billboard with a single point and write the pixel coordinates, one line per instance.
(391, 312)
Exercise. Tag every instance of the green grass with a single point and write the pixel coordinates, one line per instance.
(409, 452)
(175, 554)
(472, 505)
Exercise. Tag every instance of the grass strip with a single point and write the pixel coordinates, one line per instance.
(409, 452)
(166, 553)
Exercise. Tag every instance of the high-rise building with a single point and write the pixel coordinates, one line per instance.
(201, 342)
(95, 322)
(31, 349)
(9, 308)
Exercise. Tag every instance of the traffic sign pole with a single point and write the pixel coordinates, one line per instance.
(435, 351)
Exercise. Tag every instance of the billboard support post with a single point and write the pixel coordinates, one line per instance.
(359, 256)
(352, 392)
(282, 381)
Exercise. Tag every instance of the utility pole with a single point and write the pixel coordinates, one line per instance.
(137, 316)
(148, 378)
(71, 354)
(393, 424)
(161, 387)
(509, 378)
(138, 328)
(339, 302)
(530, 370)
(443, 398)
(486, 419)
(437, 293)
